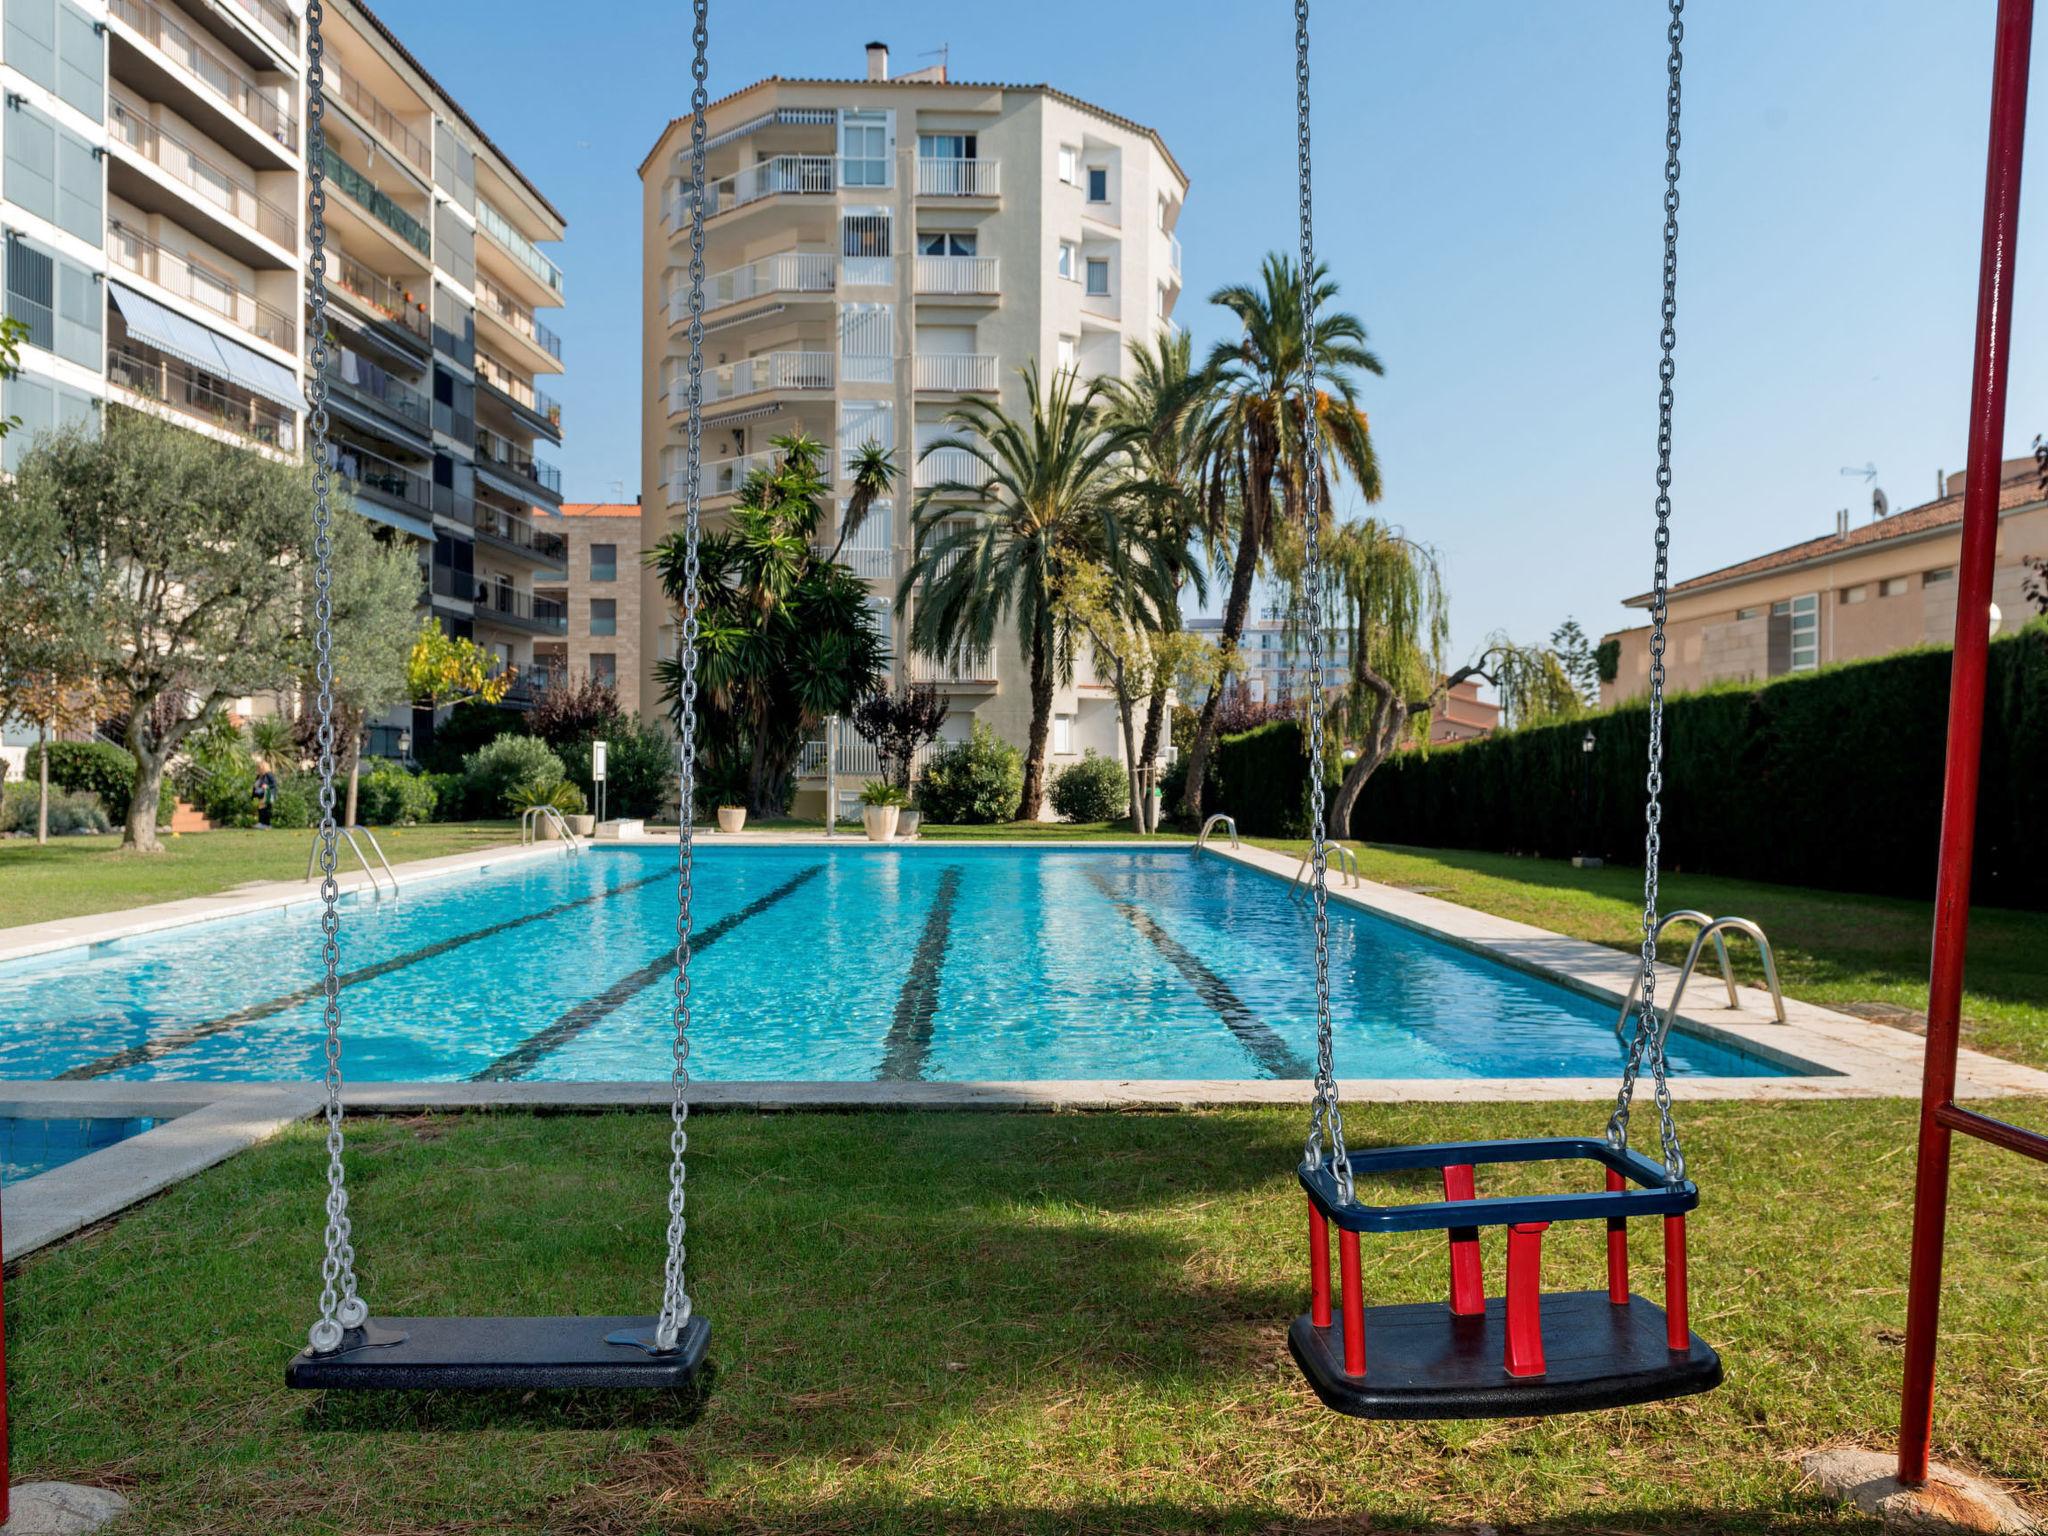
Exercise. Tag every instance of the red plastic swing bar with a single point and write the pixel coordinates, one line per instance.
(1940, 1115)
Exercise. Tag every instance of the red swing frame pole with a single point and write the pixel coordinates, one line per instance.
(1940, 1116)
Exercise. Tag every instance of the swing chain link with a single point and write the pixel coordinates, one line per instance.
(676, 1306)
(1652, 1026)
(1326, 1115)
(340, 1307)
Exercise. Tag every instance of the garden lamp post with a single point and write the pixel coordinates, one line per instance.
(1587, 743)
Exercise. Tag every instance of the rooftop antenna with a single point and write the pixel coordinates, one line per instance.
(943, 53)
(1868, 472)
(1880, 505)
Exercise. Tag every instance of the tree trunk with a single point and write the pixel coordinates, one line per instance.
(1155, 723)
(355, 768)
(1235, 610)
(1128, 716)
(140, 832)
(1032, 800)
(43, 791)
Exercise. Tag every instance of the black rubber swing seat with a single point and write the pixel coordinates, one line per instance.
(503, 1354)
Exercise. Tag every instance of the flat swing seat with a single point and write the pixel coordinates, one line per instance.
(1525, 1353)
(503, 1354)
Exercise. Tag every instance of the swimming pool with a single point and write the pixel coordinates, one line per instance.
(934, 962)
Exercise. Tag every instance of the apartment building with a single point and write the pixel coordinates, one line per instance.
(152, 189)
(1863, 590)
(881, 248)
(600, 597)
(1272, 665)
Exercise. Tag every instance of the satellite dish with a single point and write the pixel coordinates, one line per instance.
(1880, 508)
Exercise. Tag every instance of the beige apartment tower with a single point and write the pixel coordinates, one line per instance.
(879, 249)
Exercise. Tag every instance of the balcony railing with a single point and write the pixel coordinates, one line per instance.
(276, 18)
(772, 370)
(522, 250)
(446, 581)
(493, 299)
(380, 205)
(854, 758)
(958, 274)
(367, 380)
(221, 74)
(509, 605)
(171, 382)
(373, 473)
(507, 455)
(214, 182)
(784, 272)
(520, 534)
(943, 465)
(361, 101)
(173, 271)
(506, 382)
(938, 177)
(1173, 252)
(804, 175)
(384, 295)
(964, 666)
(957, 372)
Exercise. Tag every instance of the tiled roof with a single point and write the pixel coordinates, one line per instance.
(937, 85)
(600, 509)
(2019, 490)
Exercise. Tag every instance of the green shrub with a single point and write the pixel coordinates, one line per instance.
(388, 796)
(880, 792)
(1259, 778)
(639, 768)
(451, 795)
(72, 811)
(297, 805)
(557, 794)
(1094, 789)
(510, 763)
(466, 729)
(972, 782)
(225, 794)
(95, 767)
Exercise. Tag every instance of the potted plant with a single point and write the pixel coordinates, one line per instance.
(881, 803)
(732, 818)
(907, 821)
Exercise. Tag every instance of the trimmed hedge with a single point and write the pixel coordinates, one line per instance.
(99, 768)
(1259, 778)
(1829, 778)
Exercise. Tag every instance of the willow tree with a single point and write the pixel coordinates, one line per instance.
(1383, 598)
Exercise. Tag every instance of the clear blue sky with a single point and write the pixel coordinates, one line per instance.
(1488, 197)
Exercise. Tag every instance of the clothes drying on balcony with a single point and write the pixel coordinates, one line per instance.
(166, 330)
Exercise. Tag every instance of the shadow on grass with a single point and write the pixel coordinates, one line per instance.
(416, 1412)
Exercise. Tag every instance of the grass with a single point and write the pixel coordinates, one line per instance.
(74, 876)
(1831, 947)
(990, 1324)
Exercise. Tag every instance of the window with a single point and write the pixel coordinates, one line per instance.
(81, 315)
(1098, 183)
(1063, 735)
(1070, 261)
(1069, 354)
(1162, 213)
(604, 616)
(1795, 634)
(865, 232)
(946, 146)
(80, 193)
(31, 160)
(1936, 578)
(1748, 613)
(1855, 594)
(957, 243)
(1098, 277)
(604, 562)
(864, 149)
(81, 60)
(1070, 165)
(59, 301)
(41, 406)
(604, 667)
(1163, 305)
(1892, 586)
(31, 40)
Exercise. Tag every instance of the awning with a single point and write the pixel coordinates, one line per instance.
(169, 331)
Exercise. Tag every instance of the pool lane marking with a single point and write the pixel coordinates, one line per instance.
(910, 1031)
(1254, 1034)
(177, 1040)
(529, 1053)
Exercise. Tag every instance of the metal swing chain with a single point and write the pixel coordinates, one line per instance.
(1651, 1026)
(340, 1307)
(1326, 1115)
(675, 1300)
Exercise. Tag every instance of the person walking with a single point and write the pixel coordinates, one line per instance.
(264, 792)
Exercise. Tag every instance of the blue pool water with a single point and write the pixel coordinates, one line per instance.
(933, 962)
(29, 1146)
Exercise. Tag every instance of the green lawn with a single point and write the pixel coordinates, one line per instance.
(991, 1324)
(1832, 948)
(73, 876)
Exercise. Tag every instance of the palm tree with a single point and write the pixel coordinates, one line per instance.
(1167, 404)
(1047, 491)
(1252, 443)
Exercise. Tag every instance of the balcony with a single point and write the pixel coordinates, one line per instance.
(518, 536)
(496, 304)
(505, 605)
(221, 76)
(957, 373)
(720, 477)
(784, 175)
(180, 388)
(378, 118)
(174, 273)
(943, 466)
(218, 185)
(457, 586)
(957, 274)
(536, 403)
(383, 296)
(502, 454)
(770, 371)
(380, 205)
(786, 272)
(518, 247)
(854, 758)
(275, 18)
(382, 479)
(945, 177)
(358, 377)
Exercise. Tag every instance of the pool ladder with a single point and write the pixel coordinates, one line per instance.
(1709, 928)
(1209, 826)
(348, 835)
(531, 818)
(1342, 858)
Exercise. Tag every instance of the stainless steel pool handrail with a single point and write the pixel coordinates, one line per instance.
(1710, 928)
(533, 815)
(1341, 858)
(1202, 840)
(348, 835)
